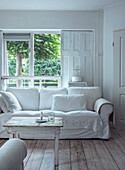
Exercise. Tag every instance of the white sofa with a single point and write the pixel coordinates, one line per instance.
(92, 122)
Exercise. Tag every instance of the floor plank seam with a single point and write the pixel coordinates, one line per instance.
(70, 154)
(111, 154)
(98, 155)
(84, 154)
(119, 146)
(43, 154)
(30, 153)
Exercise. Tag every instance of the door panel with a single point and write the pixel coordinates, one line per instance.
(119, 78)
(78, 45)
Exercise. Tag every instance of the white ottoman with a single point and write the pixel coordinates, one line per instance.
(12, 154)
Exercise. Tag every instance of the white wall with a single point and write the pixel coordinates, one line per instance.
(114, 19)
(48, 20)
(10, 20)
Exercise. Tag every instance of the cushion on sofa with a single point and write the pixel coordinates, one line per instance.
(46, 96)
(92, 94)
(68, 103)
(56, 113)
(11, 101)
(3, 106)
(28, 97)
(26, 113)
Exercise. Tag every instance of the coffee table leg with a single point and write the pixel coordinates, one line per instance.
(56, 148)
(13, 134)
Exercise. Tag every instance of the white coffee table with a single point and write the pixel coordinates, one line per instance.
(17, 125)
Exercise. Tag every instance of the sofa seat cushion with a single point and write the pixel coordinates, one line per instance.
(46, 96)
(27, 97)
(56, 113)
(92, 94)
(26, 113)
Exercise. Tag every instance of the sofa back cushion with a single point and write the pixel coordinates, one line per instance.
(92, 94)
(46, 96)
(27, 97)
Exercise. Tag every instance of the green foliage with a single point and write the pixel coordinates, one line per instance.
(12, 66)
(19, 47)
(48, 67)
(46, 46)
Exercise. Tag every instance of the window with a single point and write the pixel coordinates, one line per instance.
(47, 57)
(36, 55)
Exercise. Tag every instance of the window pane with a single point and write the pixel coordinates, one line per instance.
(47, 54)
(18, 58)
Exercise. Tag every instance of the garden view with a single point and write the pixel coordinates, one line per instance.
(46, 59)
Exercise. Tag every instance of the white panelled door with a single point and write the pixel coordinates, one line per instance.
(77, 54)
(119, 78)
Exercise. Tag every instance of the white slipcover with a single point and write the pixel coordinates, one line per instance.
(68, 103)
(11, 101)
(12, 154)
(91, 123)
(92, 94)
(28, 97)
(46, 96)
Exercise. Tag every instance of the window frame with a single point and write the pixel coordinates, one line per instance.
(31, 59)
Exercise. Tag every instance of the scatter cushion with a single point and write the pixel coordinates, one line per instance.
(3, 106)
(68, 103)
(46, 96)
(11, 101)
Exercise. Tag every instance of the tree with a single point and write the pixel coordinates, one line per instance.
(19, 50)
(46, 46)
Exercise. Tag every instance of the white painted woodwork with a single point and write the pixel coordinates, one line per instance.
(77, 53)
(113, 20)
(119, 78)
(1, 57)
(23, 78)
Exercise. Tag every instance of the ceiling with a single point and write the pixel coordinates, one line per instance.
(56, 4)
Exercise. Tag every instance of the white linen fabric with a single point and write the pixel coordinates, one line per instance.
(28, 97)
(92, 120)
(103, 106)
(3, 106)
(12, 154)
(11, 101)
(92, 94)
(68, 103)
(46, 96)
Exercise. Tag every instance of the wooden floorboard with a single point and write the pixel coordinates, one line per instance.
(77, 154)
(92, 158)
(64, 155)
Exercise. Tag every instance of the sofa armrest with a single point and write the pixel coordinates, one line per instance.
(103, 107)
